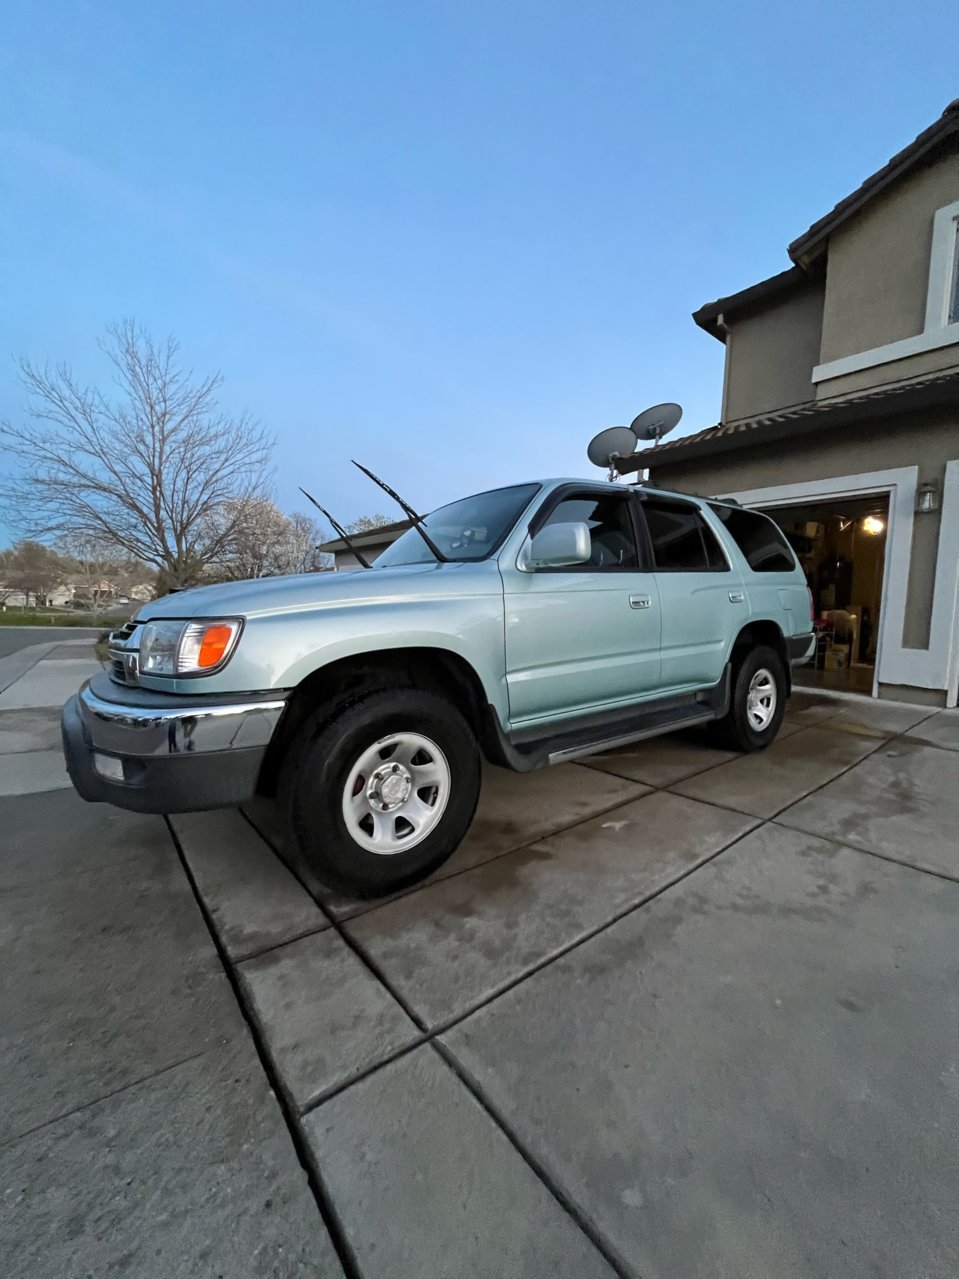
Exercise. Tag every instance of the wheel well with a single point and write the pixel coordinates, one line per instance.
(762, 632)
(332, 686)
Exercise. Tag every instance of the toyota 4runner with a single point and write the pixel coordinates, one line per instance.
(562, 618)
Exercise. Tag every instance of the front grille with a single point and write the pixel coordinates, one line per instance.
(123, 659)
(123, 634)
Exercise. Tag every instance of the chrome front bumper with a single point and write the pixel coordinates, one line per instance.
(165, 754)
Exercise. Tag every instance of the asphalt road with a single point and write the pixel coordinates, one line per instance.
(14, 638)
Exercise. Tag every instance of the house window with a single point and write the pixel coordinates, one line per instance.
(942, 298)
(954, 284)
(941, 325)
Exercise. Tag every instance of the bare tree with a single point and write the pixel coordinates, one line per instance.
(97, 571)
(150, 470)
(91, 561)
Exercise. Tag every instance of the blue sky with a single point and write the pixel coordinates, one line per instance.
(452, 240)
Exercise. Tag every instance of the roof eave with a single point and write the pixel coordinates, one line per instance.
(875, 406)
(712, 317)
(810, 246)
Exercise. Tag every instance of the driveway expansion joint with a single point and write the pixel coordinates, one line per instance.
(257, 952)
(107, 1096)
(867, 852)
(573, 1211)
(323, 1199)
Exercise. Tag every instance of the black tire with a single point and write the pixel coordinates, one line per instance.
(736, 731)
(318, 766)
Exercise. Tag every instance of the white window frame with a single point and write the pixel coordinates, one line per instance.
(940, 297)
(941, 294)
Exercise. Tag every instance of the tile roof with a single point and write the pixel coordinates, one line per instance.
(934, 390)
(807, 249)
(943, 132)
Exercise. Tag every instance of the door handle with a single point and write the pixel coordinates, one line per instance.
(639, 601)
(736, 597)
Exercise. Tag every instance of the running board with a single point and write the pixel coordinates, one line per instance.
(523, 751)
(666, 725)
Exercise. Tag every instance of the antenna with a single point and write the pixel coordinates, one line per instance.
(338, 529)
(654, 423)
(417, 519)
(604, 448)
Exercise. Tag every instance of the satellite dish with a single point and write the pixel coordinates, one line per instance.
(654, 423)
(604, 448)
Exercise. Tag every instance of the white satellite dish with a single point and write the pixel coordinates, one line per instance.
(604, 448)
(654, 423)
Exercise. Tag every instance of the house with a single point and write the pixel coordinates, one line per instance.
(840, 419)
(60, 596)
(371, 543)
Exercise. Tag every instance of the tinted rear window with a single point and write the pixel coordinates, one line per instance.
(682, 541)
(760, 540)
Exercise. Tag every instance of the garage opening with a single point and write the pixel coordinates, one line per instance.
(841, 545)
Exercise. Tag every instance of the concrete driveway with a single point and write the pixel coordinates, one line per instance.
(702, 1006)
(671, 1012)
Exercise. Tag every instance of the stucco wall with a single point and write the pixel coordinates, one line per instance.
(894, 443)
(770, 355)
(878, 265)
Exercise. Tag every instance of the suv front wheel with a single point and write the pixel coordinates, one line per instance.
(383, 792)
(757, 702)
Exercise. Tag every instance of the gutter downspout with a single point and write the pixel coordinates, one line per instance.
(727, 343)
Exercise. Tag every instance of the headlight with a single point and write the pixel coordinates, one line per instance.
(187, 648)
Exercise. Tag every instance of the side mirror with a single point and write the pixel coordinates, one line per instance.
(560, 545)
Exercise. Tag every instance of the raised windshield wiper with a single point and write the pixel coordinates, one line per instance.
(417, 519)
(338, 529)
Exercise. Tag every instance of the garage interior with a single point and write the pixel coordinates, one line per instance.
(841, 545)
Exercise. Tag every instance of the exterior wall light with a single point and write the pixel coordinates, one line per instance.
(872, 524)
(927, 498)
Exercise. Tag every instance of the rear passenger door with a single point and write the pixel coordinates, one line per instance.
(775, 586)
(701, 597)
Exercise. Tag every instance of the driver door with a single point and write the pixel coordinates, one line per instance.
(586, 636)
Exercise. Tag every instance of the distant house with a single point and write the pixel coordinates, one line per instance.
(371, 544)
(840, 419)
(61, 595)
(57, 597)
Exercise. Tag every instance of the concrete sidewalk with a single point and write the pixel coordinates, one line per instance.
(138, 1132)
(669, 1012)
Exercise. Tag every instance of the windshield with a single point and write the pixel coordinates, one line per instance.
(470, 529)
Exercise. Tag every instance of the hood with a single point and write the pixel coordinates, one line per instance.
(266, 595)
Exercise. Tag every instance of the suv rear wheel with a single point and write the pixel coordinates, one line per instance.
(383, 792)
(757, 702)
